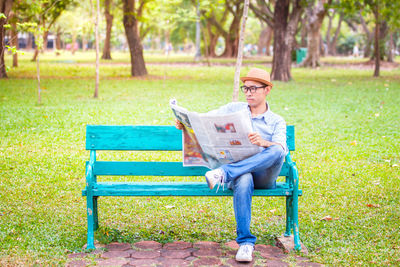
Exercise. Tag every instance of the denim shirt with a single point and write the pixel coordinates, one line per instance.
(269, 125)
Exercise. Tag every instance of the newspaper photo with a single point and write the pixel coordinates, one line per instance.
(212, 140)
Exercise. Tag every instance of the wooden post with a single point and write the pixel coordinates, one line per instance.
(240, 53)
(96, 89)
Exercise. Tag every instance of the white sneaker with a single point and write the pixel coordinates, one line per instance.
(245, 253)
(214, 177)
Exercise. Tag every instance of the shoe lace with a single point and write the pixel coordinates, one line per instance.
(220, 181)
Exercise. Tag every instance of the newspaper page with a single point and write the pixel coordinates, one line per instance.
(212, 140)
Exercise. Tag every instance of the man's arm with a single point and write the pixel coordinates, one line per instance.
(279, 135)
(256, 139)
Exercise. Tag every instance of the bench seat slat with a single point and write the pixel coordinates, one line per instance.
(175, 189)
(138, 168)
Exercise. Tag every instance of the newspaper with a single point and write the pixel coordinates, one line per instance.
(212, 140)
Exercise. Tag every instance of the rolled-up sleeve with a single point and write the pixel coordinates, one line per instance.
(279, 135)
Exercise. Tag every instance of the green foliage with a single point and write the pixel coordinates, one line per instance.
(345, 45)
(347, 154)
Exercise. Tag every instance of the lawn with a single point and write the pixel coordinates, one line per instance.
(347, 133)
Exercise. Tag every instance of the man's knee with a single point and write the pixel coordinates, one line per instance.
(243, 183)
(276, 151)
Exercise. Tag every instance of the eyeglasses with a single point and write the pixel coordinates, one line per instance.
(252, 89)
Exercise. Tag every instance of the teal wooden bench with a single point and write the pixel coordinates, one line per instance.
(166, 138)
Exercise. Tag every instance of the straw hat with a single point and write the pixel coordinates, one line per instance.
(257, 75)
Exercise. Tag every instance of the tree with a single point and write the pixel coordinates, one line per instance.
(331, 41)
(315, 15)
(222, 18)
(45, 13)
(385, 13)
(138, 67)
(96, 26)
(14, 37)
(264, 40)
(109, 21)
(284, 19)
(240, 53)
(5, 8)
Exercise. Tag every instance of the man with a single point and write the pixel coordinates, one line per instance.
(258, 171)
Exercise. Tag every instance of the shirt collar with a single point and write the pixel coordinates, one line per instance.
(264, 115)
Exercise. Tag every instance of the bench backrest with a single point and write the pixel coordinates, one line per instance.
(105, 137)
(153, 138)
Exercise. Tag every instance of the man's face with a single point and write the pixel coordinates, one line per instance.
(258, 97)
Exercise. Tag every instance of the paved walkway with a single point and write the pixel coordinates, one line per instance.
(151, 253)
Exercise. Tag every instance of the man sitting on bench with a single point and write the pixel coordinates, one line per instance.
(259, 171)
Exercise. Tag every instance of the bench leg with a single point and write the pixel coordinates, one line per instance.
(297, 245)
(95, 214)
(90, 220)
(289, 217)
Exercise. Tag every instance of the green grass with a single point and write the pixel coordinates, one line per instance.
(347, 152)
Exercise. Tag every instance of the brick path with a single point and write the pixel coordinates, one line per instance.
(204, 253)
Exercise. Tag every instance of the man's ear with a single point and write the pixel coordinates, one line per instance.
(268, 89)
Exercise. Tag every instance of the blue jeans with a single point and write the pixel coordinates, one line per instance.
(260, 171)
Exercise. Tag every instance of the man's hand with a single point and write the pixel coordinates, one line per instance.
(178, 124)
(256, 139)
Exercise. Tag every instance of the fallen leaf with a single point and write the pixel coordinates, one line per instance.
(200, 211)
(373, 205)
(395, 165)
(327, 218)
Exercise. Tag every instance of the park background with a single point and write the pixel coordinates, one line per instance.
(345, 112)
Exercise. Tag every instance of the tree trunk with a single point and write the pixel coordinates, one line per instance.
(109, 22)
(303, 34)
(14, 39)
(58, 41)
(285, 27)
(322, 47)
(138, 67)
(332, 44)
(73, 45)
(390, 57)
(264, 41)
(315, 17)
(376, 47)
(383, 31)
(96, 27)
(232, 37)
(240, 53)
(45, 36)
(84, 43)
(29, 42)
(370, 37)
(231, 46)
(5, 8)
(281, 59)
(213, 41)
(45, 41)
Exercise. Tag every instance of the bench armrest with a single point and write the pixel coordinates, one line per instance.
(90, 178)
(293, 173)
